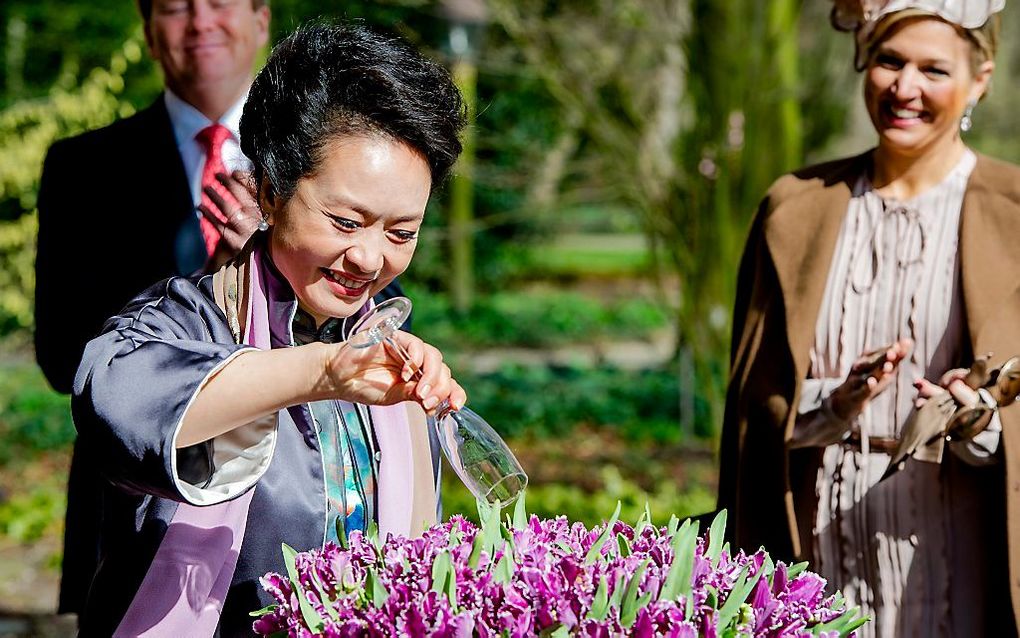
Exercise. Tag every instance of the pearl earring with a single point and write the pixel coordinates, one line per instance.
(967, 121)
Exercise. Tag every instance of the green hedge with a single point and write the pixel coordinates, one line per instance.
(532, 318)
(552, 400)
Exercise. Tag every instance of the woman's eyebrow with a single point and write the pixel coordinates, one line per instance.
(330, 203)
(891, 51)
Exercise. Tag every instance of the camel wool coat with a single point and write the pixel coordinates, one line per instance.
(769, 488)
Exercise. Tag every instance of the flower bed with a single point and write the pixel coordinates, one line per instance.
(527, 577)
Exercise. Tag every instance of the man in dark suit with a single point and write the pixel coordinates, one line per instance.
(95, 252)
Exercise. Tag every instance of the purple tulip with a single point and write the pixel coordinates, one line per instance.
(546, 582)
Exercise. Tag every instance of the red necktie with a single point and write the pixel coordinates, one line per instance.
(211, 138)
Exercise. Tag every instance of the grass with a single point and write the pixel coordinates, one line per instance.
(578, 256)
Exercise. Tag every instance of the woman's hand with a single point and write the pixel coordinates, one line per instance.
(867, 380)
(951, 381)
(379, 376)
(236, 217)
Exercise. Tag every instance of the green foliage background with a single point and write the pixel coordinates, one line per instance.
(571, 133)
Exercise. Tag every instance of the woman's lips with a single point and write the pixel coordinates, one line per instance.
(901, 117)
(343, 284)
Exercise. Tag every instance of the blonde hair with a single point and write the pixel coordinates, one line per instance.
(984, 40)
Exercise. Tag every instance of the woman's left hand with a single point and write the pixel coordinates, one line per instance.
(951, 381)
(379, 376)
(235, 220)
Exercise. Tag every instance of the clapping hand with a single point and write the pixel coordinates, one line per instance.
(869, 376)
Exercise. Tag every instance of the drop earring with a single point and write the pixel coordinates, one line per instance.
(263, 224)
(967, 121)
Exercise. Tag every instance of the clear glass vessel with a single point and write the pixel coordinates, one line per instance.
(479, 456)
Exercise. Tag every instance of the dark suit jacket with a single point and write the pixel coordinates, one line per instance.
(112, 203)
(116, 215)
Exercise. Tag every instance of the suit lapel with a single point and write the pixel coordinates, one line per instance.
(169, 197)
(801, 236)
(163, 160)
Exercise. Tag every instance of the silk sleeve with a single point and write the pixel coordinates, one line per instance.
(136, 382)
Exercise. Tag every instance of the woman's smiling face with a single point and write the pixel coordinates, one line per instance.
(918, 83)
(352, 226)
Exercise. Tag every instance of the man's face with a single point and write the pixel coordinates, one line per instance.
(206, 44)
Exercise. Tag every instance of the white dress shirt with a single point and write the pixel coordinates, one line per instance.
(187, 121)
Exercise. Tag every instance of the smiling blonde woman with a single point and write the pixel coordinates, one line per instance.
(866, 284)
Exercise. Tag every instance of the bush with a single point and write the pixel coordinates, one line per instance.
(33, 418)
(17, 273)
(553, 400)
(28, 517)
(532, 319)
(549, 500)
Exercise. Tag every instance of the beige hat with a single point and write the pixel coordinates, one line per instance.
(862, 16)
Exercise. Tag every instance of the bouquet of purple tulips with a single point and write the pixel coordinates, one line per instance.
(530, 577)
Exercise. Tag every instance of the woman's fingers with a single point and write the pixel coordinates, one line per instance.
(926, 389)
(963, 393)
(435, 383)
(458, 397)
(902, 348)
(953, 375)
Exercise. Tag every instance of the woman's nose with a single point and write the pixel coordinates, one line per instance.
(906, 84)
(366, 256)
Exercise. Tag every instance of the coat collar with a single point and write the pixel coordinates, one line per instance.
(801, 233)
(990, 261)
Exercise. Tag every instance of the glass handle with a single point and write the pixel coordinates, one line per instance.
(443, 408)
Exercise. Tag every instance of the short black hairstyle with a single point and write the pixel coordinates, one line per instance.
(329, 80)
(145, 7)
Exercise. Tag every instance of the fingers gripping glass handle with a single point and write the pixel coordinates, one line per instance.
(440, 410)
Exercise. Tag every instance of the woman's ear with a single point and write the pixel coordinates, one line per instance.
(268, 201)
(982, 81)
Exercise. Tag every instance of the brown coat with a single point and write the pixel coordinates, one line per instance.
(768, 488)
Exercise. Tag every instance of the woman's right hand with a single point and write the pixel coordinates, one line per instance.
(378, 376)
(866, 380)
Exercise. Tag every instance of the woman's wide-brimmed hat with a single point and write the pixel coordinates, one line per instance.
(862, 16)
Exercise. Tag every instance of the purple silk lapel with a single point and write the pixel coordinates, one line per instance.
(396, 476)
(183, 591)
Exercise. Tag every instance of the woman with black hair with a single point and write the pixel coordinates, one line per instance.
(226, 411)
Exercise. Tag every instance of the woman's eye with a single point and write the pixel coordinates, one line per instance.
(404, 235)
(173, 8)
(344, 224)
(936, 72)
(888, 62)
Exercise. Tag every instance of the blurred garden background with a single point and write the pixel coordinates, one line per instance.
(579, 271)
